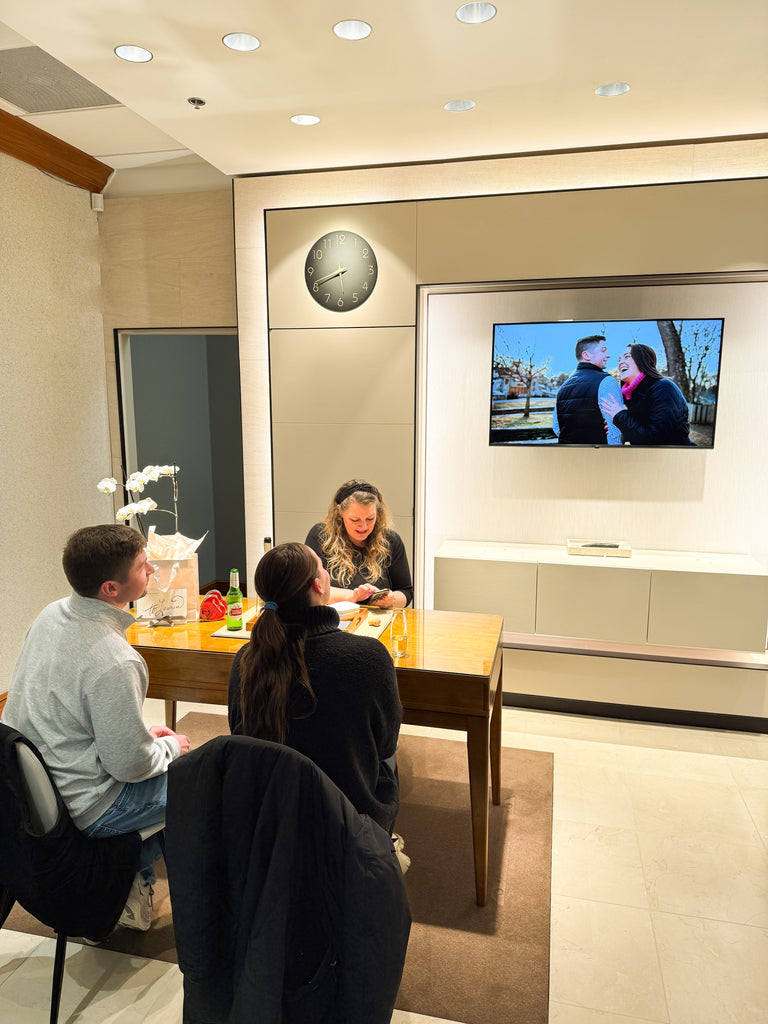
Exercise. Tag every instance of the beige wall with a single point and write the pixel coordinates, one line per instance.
(53, 409)
(578, 224)
(167, 262)
(342, 383)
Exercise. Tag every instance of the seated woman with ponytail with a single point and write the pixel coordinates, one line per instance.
(303, 682)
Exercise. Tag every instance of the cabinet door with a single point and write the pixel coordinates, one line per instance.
(719, 610)
(488, 587)
(594, 602)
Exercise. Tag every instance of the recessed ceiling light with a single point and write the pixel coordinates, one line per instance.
(305, 119)
(352, 29)
(475, 14)
(612, 89)
(241, 41)
(135, 54)
(456, 105)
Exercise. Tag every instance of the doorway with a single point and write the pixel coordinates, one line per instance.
(180, 405)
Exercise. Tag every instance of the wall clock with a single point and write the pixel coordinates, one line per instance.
(341, 271)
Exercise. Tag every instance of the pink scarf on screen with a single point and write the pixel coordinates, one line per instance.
(627, 389)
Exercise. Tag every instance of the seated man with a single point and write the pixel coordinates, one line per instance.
(77, 693)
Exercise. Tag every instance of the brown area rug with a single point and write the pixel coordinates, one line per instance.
(477, 965)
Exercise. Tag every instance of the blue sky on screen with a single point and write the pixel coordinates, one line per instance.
(557, 341)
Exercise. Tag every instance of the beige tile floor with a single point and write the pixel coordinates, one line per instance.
(659, 888)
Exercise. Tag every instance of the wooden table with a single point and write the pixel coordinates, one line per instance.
(450, 678)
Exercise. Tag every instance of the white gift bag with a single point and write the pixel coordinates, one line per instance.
(173, 591)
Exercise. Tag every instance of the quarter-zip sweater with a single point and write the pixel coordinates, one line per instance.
(77, 693)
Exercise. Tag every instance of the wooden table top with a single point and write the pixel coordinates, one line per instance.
(459, 643)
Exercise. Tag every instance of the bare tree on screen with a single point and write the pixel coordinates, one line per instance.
(524, 370)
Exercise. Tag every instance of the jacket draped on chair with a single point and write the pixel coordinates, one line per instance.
(288, 905)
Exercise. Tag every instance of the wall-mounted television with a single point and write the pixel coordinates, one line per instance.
(606, 383)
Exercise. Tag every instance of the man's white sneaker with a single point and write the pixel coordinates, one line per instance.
(399, 844)
(137, 913)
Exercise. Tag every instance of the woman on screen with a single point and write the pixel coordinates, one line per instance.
(359, 549)
(655, 411)
(303, 682)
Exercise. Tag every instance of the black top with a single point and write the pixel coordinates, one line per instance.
(396, 574)
(355, 722)
(579, 418)
(657, 414)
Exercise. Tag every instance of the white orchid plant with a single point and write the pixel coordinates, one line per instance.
(135, 484)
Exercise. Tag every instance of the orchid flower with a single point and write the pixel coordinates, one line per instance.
(135, 484)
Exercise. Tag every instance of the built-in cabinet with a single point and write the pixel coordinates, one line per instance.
(675, 598)
(660, 634)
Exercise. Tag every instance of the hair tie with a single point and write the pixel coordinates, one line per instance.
(271, 605)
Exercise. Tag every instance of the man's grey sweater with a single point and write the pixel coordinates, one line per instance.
(77, 693)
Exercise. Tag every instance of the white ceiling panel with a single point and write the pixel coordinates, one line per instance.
(696, 70)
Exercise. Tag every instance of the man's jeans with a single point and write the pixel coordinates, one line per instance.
(139, 804)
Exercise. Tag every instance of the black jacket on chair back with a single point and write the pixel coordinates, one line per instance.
(288, 906)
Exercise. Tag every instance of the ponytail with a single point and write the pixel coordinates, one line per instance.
(273, 663)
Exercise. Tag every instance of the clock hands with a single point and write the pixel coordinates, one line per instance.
(336, 273)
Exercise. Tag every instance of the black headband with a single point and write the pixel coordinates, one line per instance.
(345, 492)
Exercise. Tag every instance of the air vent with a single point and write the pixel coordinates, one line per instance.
(37, 83)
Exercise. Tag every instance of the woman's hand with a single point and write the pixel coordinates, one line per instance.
(609, 406)
(363, 592)
(385, 602)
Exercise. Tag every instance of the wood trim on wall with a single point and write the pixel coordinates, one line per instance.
(34, 146)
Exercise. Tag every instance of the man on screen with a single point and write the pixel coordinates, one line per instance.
(577, 417)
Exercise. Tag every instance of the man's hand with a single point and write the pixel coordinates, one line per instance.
(162, 730)
(183, 742)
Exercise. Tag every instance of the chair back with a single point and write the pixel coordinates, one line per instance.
(3, 699)
(42, 801)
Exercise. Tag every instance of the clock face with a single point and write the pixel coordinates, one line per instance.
(341, 271)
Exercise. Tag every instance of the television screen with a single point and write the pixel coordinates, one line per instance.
(637, 383)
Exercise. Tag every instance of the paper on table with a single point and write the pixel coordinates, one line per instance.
(241, 634)
(367, 628)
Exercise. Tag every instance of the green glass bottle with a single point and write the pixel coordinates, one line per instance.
(234, 601)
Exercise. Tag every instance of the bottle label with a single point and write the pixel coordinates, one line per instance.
(235, 610)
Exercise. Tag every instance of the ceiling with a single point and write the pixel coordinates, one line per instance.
(696, 70)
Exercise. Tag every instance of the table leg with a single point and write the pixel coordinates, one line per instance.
(170, 714)
(477, 754)
(496, 746)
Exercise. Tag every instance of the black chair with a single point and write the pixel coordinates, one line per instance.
(73, 884)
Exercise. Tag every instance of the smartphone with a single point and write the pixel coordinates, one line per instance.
(376, 596)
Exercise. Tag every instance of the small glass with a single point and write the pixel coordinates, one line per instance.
(398, 633)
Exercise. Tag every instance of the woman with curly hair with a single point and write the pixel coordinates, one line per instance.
(360, 550)
(303, 682)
